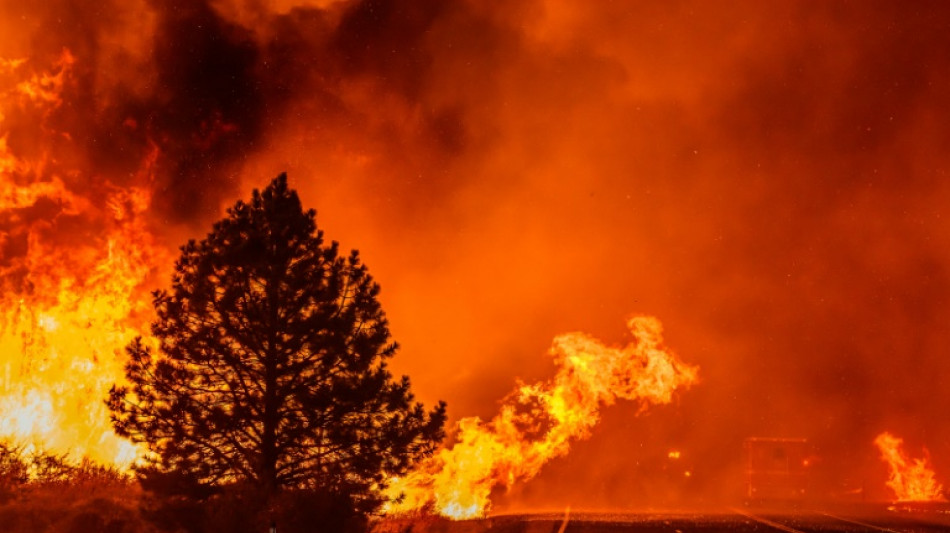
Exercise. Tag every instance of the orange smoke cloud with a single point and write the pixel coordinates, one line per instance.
(768, 178)
(537, 422)
(912, 480)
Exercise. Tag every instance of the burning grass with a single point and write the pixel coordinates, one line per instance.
(44, 491)
(912, 480)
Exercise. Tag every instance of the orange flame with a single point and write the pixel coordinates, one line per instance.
(912, 480)
(67, 308)
(537, 422)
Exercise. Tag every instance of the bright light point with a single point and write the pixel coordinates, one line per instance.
(126, 454)
(47, 322)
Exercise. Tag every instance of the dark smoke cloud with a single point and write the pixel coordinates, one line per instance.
(185, 85)
(208, 105)
(768, 180)
(385, 38)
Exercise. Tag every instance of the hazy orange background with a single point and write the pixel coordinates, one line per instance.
(769, 179)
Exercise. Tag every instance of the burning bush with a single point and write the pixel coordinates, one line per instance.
(46, 491)
(538, 422)
(912, 480)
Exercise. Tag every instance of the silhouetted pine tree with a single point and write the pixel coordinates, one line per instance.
(271, 365)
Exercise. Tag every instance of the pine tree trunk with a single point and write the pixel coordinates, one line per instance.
(269, 437)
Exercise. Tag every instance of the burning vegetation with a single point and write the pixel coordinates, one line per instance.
(512, 171)
(537, 423)
(911, 479)
(67, 306)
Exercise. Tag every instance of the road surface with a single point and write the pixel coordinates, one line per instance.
(847, 519)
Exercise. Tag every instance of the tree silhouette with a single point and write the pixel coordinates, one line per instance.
(270, 364)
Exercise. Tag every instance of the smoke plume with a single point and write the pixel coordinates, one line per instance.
(768, 180)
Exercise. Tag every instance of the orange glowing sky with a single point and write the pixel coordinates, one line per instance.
(769, 179)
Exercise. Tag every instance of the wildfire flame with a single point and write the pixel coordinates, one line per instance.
(68, 309)
(912, 480)
(537, 422)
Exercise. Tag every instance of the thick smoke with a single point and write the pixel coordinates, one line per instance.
(770, 181)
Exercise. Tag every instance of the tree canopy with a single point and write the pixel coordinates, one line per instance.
(268, 364)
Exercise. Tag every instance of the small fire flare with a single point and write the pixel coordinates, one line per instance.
(912, 480)
(537, 422)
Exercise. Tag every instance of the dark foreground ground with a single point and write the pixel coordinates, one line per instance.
(828, 519)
